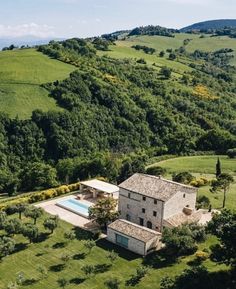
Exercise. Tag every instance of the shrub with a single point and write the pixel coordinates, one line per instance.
(156, 171)
(203, 202)
(184, 178)
(199, 182)
(201, 256)
(231, 153)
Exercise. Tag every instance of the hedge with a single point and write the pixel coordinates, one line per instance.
(40, 196)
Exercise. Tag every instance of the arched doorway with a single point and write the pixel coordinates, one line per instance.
(149, 225)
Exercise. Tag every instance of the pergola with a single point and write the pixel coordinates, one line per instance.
(97, 187)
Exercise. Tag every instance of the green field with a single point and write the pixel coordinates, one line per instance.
(48, 251)
(205, 166)
(21, 74)
(123, 49)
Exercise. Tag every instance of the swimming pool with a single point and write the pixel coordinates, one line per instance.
(75, 206)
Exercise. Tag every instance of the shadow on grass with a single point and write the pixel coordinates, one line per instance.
(29, 282)
(123, 253)
(42, 237)
(101, 268)
(20, 247)
(57, 268)
(80, 256)
(59, 245)
(159, 259)
(82, 234)
(77, 281)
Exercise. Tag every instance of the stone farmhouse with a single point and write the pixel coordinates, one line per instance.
(147, 204)
(154, 202)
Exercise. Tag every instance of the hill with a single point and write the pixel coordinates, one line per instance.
(21, 74)
(211, 24)
(124, 104)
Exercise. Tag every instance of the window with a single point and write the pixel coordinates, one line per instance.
(143, 210)
(128, 206)
(128, 218)
(122, 241)
(154, 213)
(129, 195)
(144, 198)
(149, 224)
(155, 202)
(141, 221)
(184, 195)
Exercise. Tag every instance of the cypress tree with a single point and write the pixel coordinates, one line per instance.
(218, 168)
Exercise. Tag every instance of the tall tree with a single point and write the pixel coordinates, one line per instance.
(222, 183)
(104, 211)
(218, 168)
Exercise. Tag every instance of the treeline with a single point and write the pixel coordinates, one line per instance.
(145, 49)
(153, 30)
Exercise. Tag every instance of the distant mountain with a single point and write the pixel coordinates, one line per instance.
(26, 40)
(211, 24)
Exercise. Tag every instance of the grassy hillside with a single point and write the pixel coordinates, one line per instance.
(205, 166)
(48, 251)
(21, 74)
(123, 47)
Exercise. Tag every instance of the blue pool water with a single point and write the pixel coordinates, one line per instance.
(75, 206)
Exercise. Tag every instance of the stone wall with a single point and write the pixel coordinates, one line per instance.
(175, 205)
(132, 204)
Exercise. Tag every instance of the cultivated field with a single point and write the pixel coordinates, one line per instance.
(21, 74)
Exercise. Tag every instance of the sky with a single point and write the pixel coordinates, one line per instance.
(84, 18)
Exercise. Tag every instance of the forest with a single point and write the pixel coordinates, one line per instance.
(117, 114)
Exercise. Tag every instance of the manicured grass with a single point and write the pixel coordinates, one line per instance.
(21, 74)
(205, 166)
(48, 251)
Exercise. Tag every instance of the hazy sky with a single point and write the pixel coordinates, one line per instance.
(81, 18)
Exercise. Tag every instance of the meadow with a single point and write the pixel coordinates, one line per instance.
(21, 74)
(205, 166)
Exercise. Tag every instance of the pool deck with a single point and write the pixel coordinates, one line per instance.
(65, 215)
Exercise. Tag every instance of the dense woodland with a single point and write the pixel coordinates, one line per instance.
(118, 113)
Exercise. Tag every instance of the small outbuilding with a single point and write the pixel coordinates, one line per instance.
(133, 237)
(96, 189)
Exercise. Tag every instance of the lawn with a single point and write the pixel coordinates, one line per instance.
(21, 74)
(204, 166)
(48, 251)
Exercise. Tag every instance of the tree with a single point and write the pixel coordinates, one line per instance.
(203, 202)
(30, 231)
(223, 226)
(231, 153)
(88, 269)
(62, 282)
(38, 176)
(13, 226)
(51, 223)
(112, 256)
(43, 271)
(7, 246)
(156, 171)
(104, 211)
(166, 72)
(162, 53)
(183, 178)
(70, 235)
(3, 219)
(34, 213)
(182, 240)
(222, 183)
(89, 244)
(172, 56)
(20, 208)
(112, 283)
(218, 168)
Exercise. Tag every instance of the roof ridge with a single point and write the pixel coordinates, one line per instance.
(166, 180)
